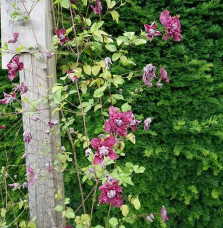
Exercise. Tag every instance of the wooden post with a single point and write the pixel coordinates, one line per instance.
(44, 146)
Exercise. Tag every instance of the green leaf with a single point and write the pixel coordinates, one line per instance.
(113, 222)
(140, 41)
(138, 169)
(19, 49)
(96, 26)
(65, 4)
(115, 16)
(87, 69)
(96, 69)
(97, 107)
(116, 56)
(136, 203)
(83, 86)
(125, 210)
(99, 92)
(110, 4)
(70, 213)
(131, 137)
(85, 2)
(126, 107)
(58, 208)
(3, 212)
(31, 225)
(25, 99)
(111, 47)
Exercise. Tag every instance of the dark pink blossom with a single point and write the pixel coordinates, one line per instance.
(97, 9)
(151, 31)
(147, 123)
(149, 74)
(71, 75)
(22, 88)
(117, 122)
(14, 38)
(164, 215)
(163, 75)
(14, 66)
(110, 194)
(14, 186)
(3, 127)
(53, 123)
(32, 175)
(27, 137)
(68, 227)
(61, 35)
(9, 98)
(103, 148)
(172, 24)
(132, 121)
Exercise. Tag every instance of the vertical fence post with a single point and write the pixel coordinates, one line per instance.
(39, 77)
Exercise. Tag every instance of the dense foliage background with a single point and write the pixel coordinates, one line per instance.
(183, 150)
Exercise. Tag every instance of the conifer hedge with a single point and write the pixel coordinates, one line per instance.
(183, 150)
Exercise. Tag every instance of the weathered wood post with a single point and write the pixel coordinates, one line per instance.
(41, 151)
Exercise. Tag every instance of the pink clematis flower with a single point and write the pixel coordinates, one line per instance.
(147, 123)
(151, 31)
(27, 137)
(110, 194)
(32, 175)
(14, 38)
(14, 186)
(53, 123)
(61, 35)
(164, 215)
(148, 74)
(9, 98)
(22, 88)
(103, 148)
(108, 62)
(88, 152)
(163, 75)
(117, 122)
(3, 127)
(150, 217)
(14, 66)
(172, 24)
(97, 8)
(132, 121)
(71, 75)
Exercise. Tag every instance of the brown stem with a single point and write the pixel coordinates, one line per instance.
(93, 201)
(102, 110)
(108, 216)
(76, 165)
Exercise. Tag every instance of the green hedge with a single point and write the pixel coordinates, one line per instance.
(183, 151)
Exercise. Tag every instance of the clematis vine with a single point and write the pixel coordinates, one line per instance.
(117, 123)
(151, 31)
(97, 9)
(22, 88)
(110, 194)
(9, 98)
(149, 74)
(104, 148)
(164, 215)
(172, 24)
(14, 66)
(32, 175)
(61, 35)
(14, 38)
